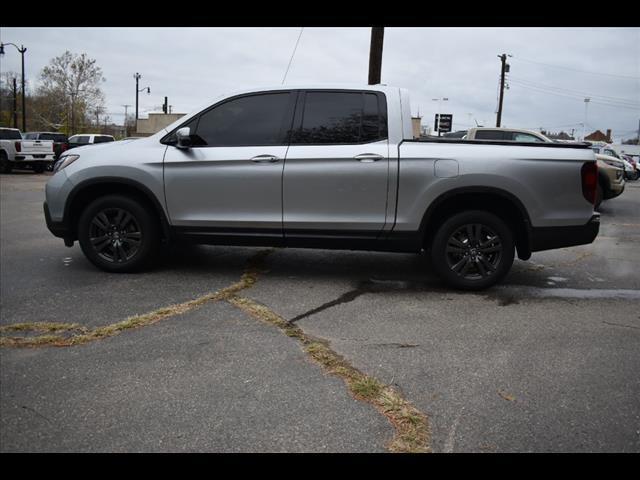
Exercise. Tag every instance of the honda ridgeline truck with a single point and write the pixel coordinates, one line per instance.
(324, 167)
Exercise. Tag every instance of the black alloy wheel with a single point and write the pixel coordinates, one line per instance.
(115, 235)
(472, 250)
(118, 233)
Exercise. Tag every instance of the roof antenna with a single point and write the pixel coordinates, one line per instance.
(291, 59)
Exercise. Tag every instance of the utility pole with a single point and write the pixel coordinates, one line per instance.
(15, 104)
(375, 55)
(24, 94)
(73, 117)
(137, 76)
(22, 51)
(125, 119)
(503, 59)
(165, 106)
(584, 124)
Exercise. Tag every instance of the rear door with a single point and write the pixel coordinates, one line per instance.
(230, 181)
(337, 167)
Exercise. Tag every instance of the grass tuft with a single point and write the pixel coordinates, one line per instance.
(411, 426)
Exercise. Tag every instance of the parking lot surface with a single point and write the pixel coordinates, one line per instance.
(546, 361)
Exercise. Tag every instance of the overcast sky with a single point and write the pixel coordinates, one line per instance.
(552, 69)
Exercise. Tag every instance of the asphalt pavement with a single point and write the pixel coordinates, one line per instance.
(546, 361)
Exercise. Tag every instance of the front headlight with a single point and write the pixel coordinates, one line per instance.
(65, 161)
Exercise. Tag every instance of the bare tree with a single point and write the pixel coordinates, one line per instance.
(71, 82)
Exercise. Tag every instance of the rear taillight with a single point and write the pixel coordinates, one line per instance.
(64, 147)
(18, 147)
(589, 174)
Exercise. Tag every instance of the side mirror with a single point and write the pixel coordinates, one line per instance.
(183, 136)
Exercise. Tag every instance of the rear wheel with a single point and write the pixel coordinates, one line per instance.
(117, 234)
(473, 250)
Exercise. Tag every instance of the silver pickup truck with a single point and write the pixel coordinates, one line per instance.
(15, 152)
(324, 167)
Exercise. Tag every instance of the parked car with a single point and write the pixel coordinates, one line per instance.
(635, 163)
(60, 140)
(89, 139)
(610, 178)
(16, 152)
(506, 135)
(354, 178)
(630, 172)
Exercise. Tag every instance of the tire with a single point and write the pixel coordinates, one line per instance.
(129, 237)
(5, 164)
(473, 259)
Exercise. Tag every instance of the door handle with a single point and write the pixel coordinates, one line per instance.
(368, 157)
(265, 159)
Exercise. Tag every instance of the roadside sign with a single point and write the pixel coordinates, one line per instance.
(443, 122)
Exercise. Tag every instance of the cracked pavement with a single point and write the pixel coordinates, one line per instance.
(547, 361)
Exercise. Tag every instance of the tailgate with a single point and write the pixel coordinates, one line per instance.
(36, 146)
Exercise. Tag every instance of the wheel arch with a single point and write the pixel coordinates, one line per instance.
(503, 204)
(87, 191)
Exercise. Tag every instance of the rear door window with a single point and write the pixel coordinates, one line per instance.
(10, 135)
(342, 118)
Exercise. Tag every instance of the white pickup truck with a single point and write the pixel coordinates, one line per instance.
(324, 167)
(15, 152)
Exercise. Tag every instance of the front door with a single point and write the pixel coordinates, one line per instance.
(230, 180)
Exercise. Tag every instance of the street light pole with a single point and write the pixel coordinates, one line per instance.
(22, 50)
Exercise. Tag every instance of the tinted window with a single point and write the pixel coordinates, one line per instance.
(342, 117)
(30, 136)
(56, 137)
(252, 120)
(10, 135)
(102, 139)
(81, 139)
(525, 137)
(491, 135)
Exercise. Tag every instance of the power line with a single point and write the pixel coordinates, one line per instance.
(552, 87)
(576, 70)
(575, 96)
(292, 54)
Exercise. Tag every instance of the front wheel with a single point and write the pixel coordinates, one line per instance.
(117, 234)
(473, 250)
